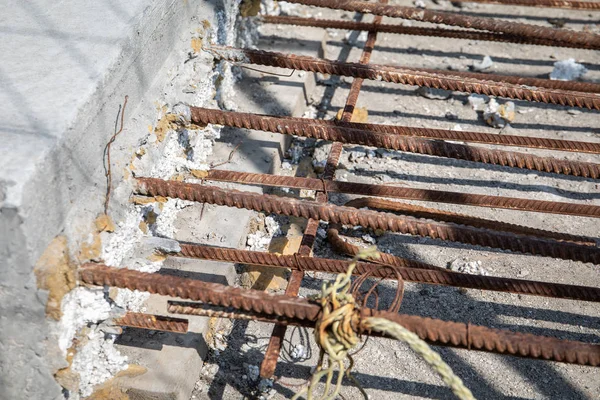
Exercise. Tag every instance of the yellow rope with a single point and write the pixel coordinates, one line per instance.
(334, 334)
(432, 358)
(335, 337)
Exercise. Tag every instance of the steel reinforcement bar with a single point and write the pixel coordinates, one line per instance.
(464, 21)
(436, 332)
(411, 271)
(475, 137)
(407, 77)
(462, 219)
(267, 368)
(297, 127)
(330, 127)
(402, 192)
(571, 86)
(153, 322)
(371, 219)
(341, 246)
(207, 310)
(415, 31)
(568, 4)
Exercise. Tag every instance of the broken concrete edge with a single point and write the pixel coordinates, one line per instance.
(164, 153)
(68, 174)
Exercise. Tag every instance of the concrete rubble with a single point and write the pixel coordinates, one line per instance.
(567, 70)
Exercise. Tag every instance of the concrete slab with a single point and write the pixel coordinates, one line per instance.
(64, 66)
(403, 374)
(174, 361)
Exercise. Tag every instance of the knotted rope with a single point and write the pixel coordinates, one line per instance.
(335, 335)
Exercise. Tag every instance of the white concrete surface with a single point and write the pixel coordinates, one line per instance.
(66, 66)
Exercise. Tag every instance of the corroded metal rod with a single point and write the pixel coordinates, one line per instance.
(330, 127)
(371, 219)
(153, 322)
(434, 331)
(403, 192)
(207, 310)
(415, 30)
(568, 4)
(411, 271)
(464, 21)
(572, 86)
(447, 216)
(407, 76)
(267, 367)
(308, 128)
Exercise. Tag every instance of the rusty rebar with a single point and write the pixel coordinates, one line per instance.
(568, 4)
(369, 219)
(410, 270)
(464, 21)
(209, 310)
(206, 292)
(339, 127)
(475, 137)
(434, 331)
(408, 193)
(571, 86)
(407, 77)
(462, 219)
(414, 30)
(153, 322)
(344, 247)
(464, 331)
(437, 148)
(267, 368)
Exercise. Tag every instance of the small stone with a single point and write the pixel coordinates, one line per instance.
(451, 116)
(523, 273)
(164, 245)
(467, 267)
(567, 70)
(557, 22)
(369, 239)
(433, 94)
(360, 114)
(419, 4)
(482, 65)
(356, 155)
(298, 352)
(499, 115)
(573, 111)
(104, 223)
(477, 101)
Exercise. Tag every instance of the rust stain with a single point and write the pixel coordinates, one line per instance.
(56, 273)
(360, 115)
(196, 45)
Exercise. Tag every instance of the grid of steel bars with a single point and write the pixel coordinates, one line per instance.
(219, 300)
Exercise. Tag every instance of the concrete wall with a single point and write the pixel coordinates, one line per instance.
(66, 67)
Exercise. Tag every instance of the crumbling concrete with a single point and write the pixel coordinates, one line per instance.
(66, 68)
